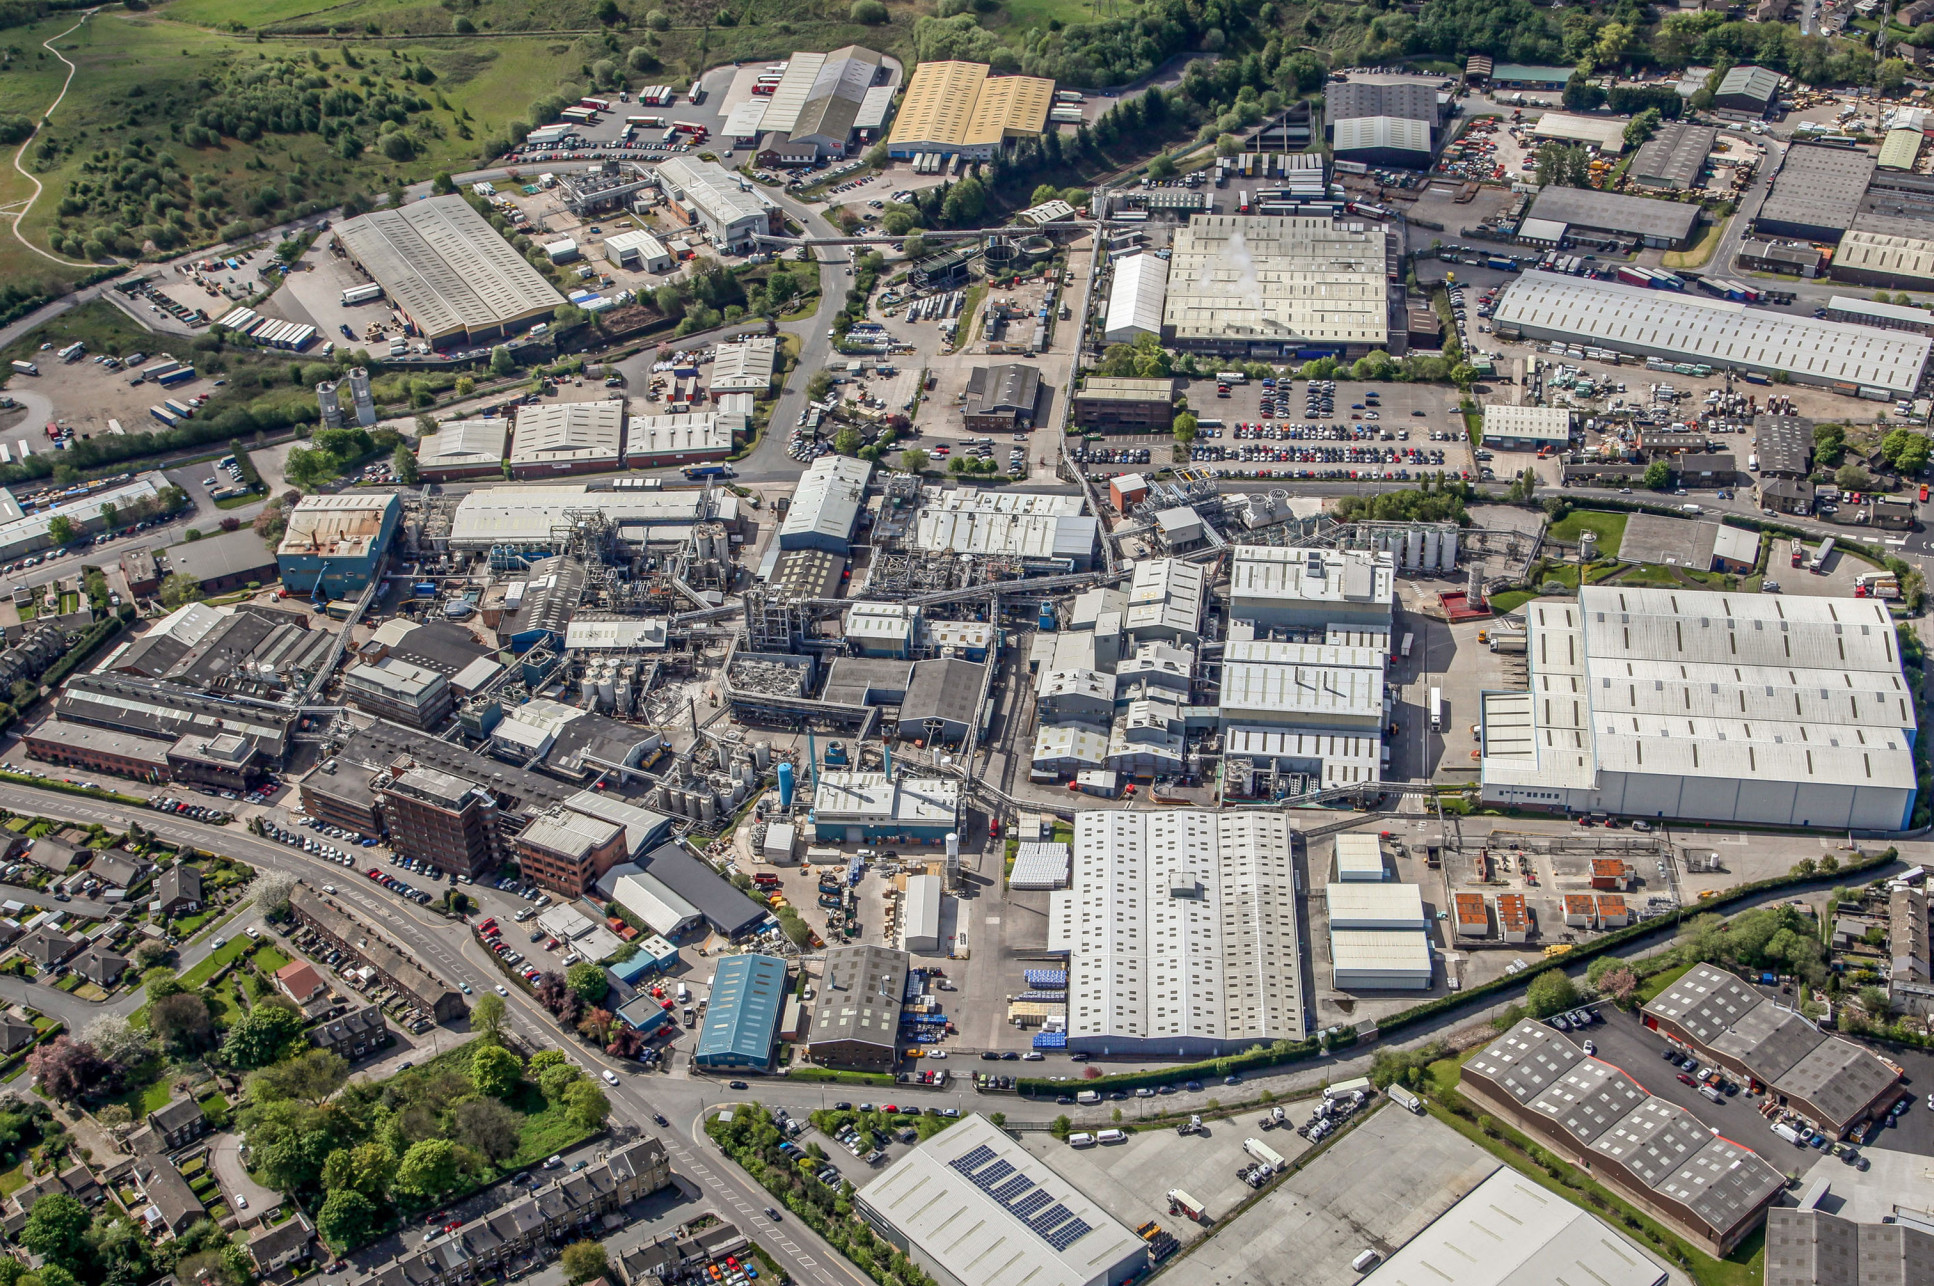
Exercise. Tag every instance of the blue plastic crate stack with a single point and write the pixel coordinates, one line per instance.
(1047, 979)
(1050, 1040)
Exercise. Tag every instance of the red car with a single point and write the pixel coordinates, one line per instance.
(1684, 1079)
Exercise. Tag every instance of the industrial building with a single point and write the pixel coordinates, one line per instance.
(1654, 1154)
(471, 448)
(1730, 1022)
(1385, 123)
(448, 271)
(742, 1019)
(922, 915)
(743, 367)
(1378, 940)
(1058, 540)
(395, 689)
(663, 911)
(861, 807)
(567, 437)
(856, 1019)
(706, 195)
(639, 251)
(1605, 133)
(450, 823)
(1526, 428)
(1359, 858)
(1387, 142)
(1868, 258)
(1674, 159)
(1001, 398)
(1510, 1230)
(1810, 1247)
(958, 109)
(826, 507)
(334, 543)
(525, 517)
(1117, 403)
(1274, 585)
(1310, 686)
(1707, 706)
(1868, 312)
(943, 700)
(1135, 299)
(1181, 931)
(972, 1207)
(1746, 93)
(1277, 287)
(1816, 194)
(228, 560)
(1720, 333)
(821, 101)
(1651, 222)
(656, 441)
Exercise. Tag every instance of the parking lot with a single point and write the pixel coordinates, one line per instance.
(1338, 429)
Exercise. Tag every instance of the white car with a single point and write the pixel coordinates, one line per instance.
(502, 990)
(610, 1077)
(219, 943)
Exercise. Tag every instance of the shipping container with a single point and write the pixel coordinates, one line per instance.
(180, 375)
(1359, 1084)
(1264, 1153)
(164, 415)
(179, 408)
(1819, 564)
(25, 368)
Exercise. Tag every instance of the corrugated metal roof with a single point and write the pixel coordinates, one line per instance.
(1135, 298)
(448, 269)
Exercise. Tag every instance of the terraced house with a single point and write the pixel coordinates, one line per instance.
(532, 1228)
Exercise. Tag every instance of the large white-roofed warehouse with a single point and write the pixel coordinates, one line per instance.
(1280, 286)
(1181, 933)
(1707, 706)
(1658, 323)
(448, 271)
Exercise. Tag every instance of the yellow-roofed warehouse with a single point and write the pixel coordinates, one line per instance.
(956, 108)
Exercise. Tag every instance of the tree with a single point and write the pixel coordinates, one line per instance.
(181, 1021)
(588, 980)
(57, 1229)
(1851, 477)
(271, 890)
(70, 1070)
(870, 12)
(116, 1041)
(429, 1169)
(586, 1104)
(489, 1127)
(1184, 427)
(180, 588)
(1162, 167)
(584, 1261)
(1906, 450)
(368, 1168)
(487, 1017)
(308, 467)
(1551, 992)
(346, 1218)
(61, 530)
(404, 464)
(312, 1078)
(557, 1078)
(501, 362)
(262, 1036)
(495, 1070)
(914, 460)
(1619, 986)
(1641, 127)
(847, 440)
(1658, 475)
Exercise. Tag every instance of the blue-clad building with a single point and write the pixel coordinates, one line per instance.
(336, 542)
(742, 1021)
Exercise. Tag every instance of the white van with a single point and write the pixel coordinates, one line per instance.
(684, 994)
(1082, 1140)
(1112, 1136)
(1088, 1097)
(1365, 1261)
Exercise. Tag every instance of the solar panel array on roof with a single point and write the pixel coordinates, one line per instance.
(1057, 1225)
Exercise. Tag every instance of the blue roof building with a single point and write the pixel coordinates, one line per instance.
(334, 543)
(742, 1020)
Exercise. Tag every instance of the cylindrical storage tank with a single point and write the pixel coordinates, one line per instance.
(953, 846)
(748, 775)
(624, 695)
(587, 690)
(761, 754)
(607, 690)
(1431, 542)
(737, 793)
(1447, 557)
(1413, 548)
(708, 808)
(785, 785)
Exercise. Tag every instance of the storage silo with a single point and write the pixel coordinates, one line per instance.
(1447, 559)
(1431, 541)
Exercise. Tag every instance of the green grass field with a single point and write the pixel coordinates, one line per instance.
(1609, 526)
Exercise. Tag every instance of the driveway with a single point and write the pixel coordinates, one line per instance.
(225, 1154)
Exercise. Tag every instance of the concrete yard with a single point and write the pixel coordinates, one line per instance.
(1376, 1187)
(1131, 1180)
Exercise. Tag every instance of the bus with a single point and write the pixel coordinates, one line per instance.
(1436, 709)
(1231, 377)
(1819, 564)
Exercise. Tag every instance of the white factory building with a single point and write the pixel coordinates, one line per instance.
(1672, 703)
(1277, 287)
(1135, 299)
(1274, 585)
(826, 505)
(1181, 933)
(1679, 328)
(525, 517)
(715, 199)
(1314, 686)
(973, 1207)
(1378, 936)
(1526, 428)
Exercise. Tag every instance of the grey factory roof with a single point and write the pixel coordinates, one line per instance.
(1526, 1060)
(835, 97)
(1289, 278)
(711, 188)
(860, 994)
(448, 269)
(1365, 133)
(1810, 1247)
(159, 709)
(990, 1213)
(1665, 323)
(726, 909)
(1009, 386)
(1413, 100)
(1610, 212)
(228, 554)
(1817, 187)
(1757, 83)
(1675, 155)
(465, 444)
(1784, 444)
(943, 688)
(1589, 1099)
(827, 502)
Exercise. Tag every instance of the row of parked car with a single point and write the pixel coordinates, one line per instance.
(182, 808)
(397, 886)
(328, 852)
